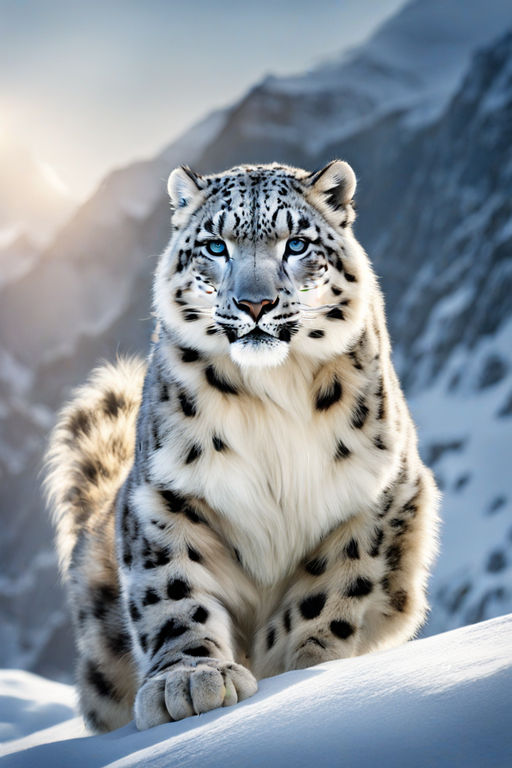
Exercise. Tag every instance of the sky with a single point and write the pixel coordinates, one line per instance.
(88, 86)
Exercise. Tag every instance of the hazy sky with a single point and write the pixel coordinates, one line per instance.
(91, 84)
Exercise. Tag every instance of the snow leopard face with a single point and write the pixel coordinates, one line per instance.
(262, 263)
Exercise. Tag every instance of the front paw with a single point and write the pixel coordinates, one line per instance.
(189, 689)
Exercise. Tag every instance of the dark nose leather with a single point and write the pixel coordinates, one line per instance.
(256, 309)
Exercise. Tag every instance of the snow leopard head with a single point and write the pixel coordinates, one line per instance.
(263, 263)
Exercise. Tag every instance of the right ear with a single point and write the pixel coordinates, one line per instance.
(183, 186)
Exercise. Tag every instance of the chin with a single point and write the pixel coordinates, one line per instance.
(261, 350)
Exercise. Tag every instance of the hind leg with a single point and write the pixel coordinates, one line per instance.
(102, 704)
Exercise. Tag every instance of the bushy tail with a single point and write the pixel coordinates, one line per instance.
(91, 450)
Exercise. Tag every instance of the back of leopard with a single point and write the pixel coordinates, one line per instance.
(258, 504)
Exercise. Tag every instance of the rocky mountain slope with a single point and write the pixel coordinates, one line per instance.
(17, 257)
(427, 126)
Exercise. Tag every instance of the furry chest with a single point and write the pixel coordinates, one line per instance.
(276, 485)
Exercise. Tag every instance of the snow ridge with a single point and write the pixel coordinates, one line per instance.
(444, 701)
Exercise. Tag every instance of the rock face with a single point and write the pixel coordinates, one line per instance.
(461, 246)
(428, 128)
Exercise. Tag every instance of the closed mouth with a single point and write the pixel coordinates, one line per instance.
(257, 336)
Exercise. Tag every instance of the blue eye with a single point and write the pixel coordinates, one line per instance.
(217, 248)
(296, 246)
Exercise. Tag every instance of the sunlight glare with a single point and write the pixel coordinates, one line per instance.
(53, 179)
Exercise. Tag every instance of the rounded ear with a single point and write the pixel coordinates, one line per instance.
(337, 182)
(183, 185)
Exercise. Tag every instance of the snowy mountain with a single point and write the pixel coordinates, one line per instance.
(427, 124)
(17, 257)
(454, 327)
(412, 65)
(34, 202)
(444, 701)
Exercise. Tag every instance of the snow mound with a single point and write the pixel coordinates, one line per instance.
(29, 703)
(441, 701)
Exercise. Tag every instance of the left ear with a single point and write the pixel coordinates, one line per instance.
(336, 183)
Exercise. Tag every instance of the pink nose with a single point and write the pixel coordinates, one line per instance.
(255, 310)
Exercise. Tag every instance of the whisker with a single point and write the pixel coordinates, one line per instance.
(199, 310)
(316, 310)
(308, 312)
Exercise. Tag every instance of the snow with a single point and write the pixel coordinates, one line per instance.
(18, 377)
(499, 97)
(29, 703)
(450, 305)
(442, 701)
(472, 478)
(14, 588)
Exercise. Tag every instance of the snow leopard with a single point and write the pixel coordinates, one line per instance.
(250, 498)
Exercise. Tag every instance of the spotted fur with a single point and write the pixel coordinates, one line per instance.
(257, 503)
